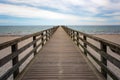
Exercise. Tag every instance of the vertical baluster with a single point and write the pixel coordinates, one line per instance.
(34, 45)
(77, 39)
(46, 35)
(49, 33)
(42, 40)
(69, 32)
(103, 60)
(85, 45)
(73, 35)
(14, 48)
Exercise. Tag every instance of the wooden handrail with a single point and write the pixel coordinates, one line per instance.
(44, 36)
(74, 34)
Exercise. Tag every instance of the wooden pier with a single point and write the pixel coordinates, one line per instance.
(59, 59)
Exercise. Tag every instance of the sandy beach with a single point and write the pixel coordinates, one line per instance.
(7, 38)
(111, 37)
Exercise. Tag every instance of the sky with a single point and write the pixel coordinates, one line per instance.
(59, 12)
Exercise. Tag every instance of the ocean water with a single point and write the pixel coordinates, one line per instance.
(23, 30)
(112, 29)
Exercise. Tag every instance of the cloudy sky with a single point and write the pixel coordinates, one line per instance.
(56, 12)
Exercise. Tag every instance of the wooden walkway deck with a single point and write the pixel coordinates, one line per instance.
(59, 59)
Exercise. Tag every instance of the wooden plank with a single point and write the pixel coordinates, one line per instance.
(59, 60)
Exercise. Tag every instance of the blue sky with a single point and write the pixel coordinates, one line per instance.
(59, 12)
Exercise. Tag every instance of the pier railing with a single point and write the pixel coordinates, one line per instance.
(42, 37)
(81, 39)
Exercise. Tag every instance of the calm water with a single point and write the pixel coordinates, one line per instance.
(22, 30)
(98, 29)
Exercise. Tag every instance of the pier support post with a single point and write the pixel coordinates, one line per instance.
(14, 48)
(103, 60)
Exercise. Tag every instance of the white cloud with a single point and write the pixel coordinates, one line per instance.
(56, 4)
(90, 7)
(101, 2)
(70, 5)
(113, 14)
(4, 21)
(30, 12)
(116, 18)
(61, 5)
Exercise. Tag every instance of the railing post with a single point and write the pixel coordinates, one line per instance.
(14, 48)
(42, 40)
(49, 33)
(34, 45)
(73, 35)
(103, 60)
(46, 33)
(85, 45)
(69, 32)
(77, 39)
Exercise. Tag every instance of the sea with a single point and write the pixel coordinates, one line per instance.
(89, 29)
(21, 30)
(97, 29)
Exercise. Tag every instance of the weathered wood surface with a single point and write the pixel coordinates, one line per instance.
(59, 60)
(102, 51)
